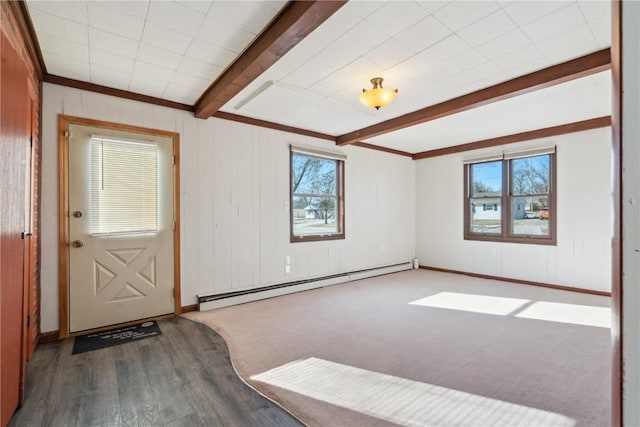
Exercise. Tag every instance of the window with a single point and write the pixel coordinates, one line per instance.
(124, 186)
(317, 204)
(511, 198)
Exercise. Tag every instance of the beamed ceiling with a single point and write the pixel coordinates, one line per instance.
(466, 71)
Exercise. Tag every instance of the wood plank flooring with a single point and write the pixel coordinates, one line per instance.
(182, 378)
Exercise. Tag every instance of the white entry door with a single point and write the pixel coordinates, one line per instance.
(120, 194)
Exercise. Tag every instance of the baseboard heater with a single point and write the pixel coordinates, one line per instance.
(226, 299)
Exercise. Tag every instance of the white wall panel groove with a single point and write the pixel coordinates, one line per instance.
(582, 257)
(234, 193)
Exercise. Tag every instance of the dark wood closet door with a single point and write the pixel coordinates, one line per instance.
(14, 166)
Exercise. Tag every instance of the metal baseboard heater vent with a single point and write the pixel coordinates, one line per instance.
(226, 299)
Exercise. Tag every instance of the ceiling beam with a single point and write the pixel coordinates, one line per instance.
(297, 20)
(556, 74)
(383, 149)
(580, 126)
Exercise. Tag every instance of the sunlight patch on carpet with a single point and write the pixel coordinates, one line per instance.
(399, 400)
(576, 314)
(475, 303)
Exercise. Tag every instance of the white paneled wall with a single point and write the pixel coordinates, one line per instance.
(630, 212)
(234, 201)
(582, 257)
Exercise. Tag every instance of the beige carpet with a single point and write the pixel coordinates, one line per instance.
(426, 348)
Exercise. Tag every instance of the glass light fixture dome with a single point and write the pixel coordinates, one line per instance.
(377, 96)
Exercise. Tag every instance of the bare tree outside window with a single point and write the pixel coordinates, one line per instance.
(315, 198)
(530, 177)
(522, 211)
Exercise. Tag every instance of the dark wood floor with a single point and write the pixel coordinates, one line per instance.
(182, 378)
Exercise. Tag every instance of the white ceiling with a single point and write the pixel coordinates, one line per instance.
(431, 51)
(170, 50)
(580, 99)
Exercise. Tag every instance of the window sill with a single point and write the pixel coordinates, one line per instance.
(316, 238)
(512, 239)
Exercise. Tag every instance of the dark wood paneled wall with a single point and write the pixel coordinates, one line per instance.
(20, 94)
(18, 36)
(13, 170)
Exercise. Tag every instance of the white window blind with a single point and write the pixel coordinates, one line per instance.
(530, 153)
(308, 151)
(124, 186)
(483, 159)
(511, 155)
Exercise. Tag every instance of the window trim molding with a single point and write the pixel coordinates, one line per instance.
(506, 235)
(340, 162)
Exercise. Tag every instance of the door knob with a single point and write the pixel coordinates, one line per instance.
(77, 243)
(77, 214)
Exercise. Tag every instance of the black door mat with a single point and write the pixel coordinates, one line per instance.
(115, 337)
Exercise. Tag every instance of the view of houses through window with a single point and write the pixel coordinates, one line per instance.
(510, 198)
(316, 197)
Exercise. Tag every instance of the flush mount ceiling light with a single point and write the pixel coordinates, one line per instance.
(377, 96)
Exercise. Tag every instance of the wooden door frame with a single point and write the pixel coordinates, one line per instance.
(617, 361)
(28, 260)
(35, 308)
(64, 122)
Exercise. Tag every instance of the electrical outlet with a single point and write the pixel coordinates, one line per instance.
(287, 269)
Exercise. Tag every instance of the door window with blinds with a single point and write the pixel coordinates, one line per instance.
(511, 197)
(124, 186)
(317, 195)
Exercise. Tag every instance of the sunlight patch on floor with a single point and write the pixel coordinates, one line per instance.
(568, 313)
(399, 400)
(475, 303)
(575, 314)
